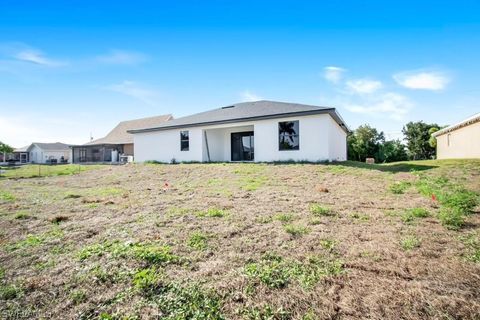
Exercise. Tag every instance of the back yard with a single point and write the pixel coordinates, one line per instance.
(243, 241)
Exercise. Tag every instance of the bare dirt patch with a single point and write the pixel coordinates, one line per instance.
(237, 241)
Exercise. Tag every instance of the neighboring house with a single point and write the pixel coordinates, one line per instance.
(39, 152)
(461, 140)
(21, 155)
(117, 145)
(261, 131)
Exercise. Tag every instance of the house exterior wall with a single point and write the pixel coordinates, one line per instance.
(128, 149)
(462, 143)
(165, 145)
(38, 155)
(321, 139)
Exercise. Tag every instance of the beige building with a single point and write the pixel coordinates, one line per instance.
(459, 141)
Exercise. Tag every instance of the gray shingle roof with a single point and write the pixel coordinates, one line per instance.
(120, 135)
(245, 111)
(55, 146)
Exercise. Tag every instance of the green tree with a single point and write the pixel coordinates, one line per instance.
(364, 143)
(417, 135)
(5, 149)
(432, 141)
(392, 150)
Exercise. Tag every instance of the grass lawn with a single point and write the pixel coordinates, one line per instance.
(242, 241)
(32, 170)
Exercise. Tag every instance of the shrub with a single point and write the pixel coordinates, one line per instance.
(198, 240)
(410, 242)
(318, 210)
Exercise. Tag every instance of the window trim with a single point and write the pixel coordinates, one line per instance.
(185, 140)
(293, 135)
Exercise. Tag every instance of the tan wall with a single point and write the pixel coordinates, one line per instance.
(464, 143)
(128, 149)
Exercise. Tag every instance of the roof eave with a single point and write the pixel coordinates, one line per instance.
(330, 111)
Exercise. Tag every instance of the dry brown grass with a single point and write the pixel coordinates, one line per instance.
(110, 223)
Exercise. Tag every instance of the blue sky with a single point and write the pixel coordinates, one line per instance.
(71, 68)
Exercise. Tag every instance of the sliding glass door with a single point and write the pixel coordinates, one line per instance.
(242, 146)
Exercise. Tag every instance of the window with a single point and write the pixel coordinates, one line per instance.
(288, 135)
(448, 140)
(184, 141)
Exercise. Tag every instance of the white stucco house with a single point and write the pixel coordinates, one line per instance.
(261, 131)
(46, 152)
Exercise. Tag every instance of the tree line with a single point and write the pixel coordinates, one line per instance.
(367, 142)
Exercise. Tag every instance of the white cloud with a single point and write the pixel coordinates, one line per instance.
(134, 90)
(422, 80)
(122, 57)
(250, 96)
(391, 105)
(333, 74)
(37, 57)
(364, 85)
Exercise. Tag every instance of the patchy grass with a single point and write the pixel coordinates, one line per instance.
(212, 213)
(6, 196)
(472, 244)
(36, 170)
(399, 187)
(284, 217)
(410, 242)
(414, 213)
(296, 230)
(22, 215)
(452, 218)
(198, 241)
(275, 272)
(318, 210)
(203, 247)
